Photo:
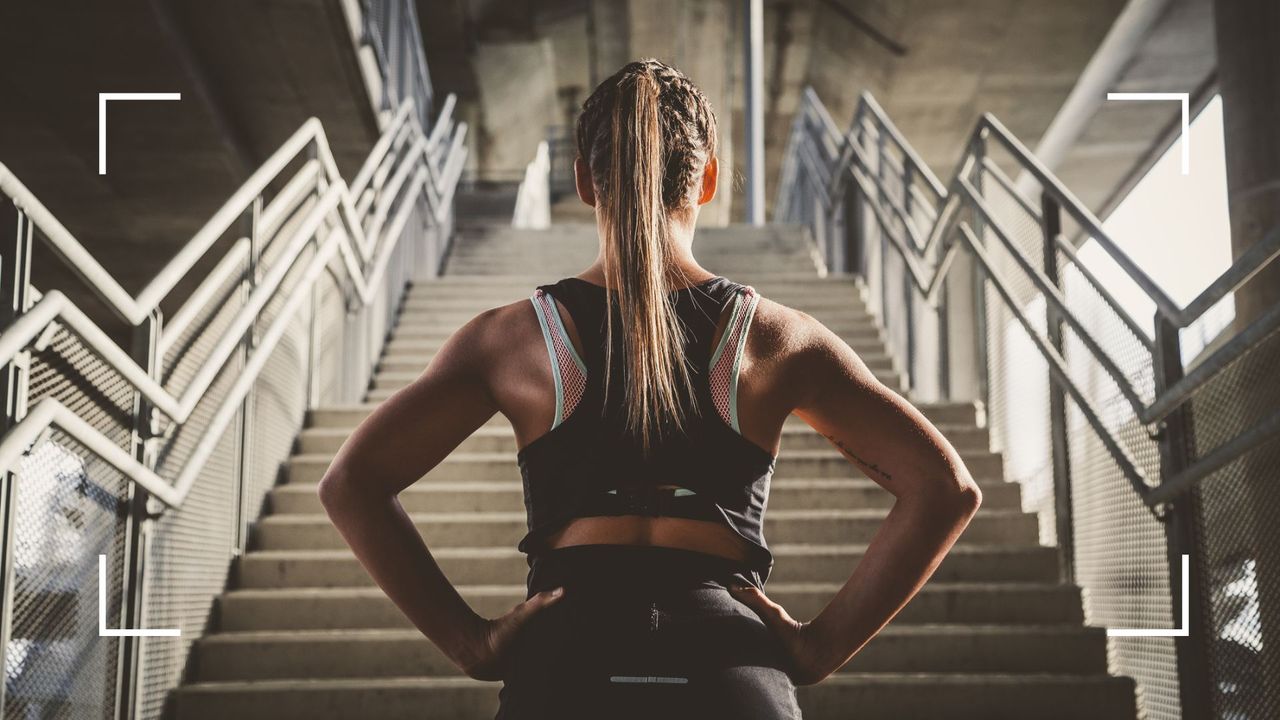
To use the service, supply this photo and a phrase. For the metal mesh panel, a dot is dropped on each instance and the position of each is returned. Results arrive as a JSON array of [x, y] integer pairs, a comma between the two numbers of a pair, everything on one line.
[[187, 566], [1239, 539], [331, 342], [1119, 547], [67, 510], [191, 547], [1017, 374]]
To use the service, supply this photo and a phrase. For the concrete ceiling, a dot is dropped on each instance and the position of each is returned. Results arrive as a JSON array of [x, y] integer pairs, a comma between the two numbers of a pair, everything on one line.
[[935, 65]]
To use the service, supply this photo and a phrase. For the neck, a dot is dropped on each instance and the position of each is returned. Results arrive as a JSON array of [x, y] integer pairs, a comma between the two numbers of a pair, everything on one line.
[[683, 270]]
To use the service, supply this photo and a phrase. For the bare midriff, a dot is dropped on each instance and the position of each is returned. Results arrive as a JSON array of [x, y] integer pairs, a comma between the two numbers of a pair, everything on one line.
[[701, 535]]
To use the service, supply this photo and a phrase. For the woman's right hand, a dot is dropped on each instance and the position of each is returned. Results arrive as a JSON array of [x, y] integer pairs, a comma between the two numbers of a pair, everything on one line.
[[489, 642]]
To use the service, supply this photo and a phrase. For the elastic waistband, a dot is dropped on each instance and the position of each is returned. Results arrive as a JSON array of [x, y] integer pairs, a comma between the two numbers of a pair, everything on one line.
[[617, 567]]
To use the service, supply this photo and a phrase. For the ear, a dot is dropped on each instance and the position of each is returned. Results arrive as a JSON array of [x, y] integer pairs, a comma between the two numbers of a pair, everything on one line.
[[710, 177], [582, 182]]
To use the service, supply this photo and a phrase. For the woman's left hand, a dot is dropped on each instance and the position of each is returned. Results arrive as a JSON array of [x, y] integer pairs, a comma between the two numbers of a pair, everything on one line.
[[809, 656]]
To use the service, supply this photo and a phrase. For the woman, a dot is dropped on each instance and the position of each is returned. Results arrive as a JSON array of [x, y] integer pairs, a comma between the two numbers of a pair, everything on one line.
[[647, 396]]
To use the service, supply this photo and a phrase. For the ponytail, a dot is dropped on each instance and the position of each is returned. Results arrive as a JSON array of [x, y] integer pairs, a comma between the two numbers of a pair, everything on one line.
[[647, 133], [636, 260]]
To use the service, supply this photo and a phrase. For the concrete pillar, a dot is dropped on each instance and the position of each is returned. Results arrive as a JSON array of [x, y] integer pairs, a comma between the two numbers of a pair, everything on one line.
[[753, 97], [1248, 65], [518, 104]]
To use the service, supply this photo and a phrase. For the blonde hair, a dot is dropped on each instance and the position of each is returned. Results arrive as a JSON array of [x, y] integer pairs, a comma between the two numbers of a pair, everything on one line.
[[647, 134]]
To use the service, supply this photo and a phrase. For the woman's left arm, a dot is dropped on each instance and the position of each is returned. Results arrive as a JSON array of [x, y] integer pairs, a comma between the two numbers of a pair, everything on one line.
[[400, 441]]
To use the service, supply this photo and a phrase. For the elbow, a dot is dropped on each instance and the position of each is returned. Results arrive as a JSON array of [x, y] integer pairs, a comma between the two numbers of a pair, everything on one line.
[[965, 495], [969, 498], [956, 495], [334, 487]]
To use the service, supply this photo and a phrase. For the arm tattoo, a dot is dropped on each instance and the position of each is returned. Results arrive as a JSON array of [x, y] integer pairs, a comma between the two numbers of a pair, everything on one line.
[[861, 461]]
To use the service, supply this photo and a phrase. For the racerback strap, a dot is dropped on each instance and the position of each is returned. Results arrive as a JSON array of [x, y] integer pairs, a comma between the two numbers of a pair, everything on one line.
[[569, 372], [727, 359], [567, 369]]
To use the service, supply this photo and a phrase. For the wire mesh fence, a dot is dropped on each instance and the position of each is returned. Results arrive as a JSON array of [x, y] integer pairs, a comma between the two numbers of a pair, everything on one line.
[[292, 315], [1074, 388], [1239, 539]]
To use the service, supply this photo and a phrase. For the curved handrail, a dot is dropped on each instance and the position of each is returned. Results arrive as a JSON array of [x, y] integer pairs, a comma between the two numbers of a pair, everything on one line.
[[365, 255]]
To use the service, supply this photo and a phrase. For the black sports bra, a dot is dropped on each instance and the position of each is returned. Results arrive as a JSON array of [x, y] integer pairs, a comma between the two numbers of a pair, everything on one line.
[[589, 465]]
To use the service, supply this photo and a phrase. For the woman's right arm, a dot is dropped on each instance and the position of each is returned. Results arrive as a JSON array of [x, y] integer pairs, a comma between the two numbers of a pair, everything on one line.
[[405, 437], [896, 446]]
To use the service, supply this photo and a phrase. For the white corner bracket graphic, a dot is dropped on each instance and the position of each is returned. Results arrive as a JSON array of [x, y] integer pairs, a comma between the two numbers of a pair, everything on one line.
[[1181, 631], [102, 118], [1184, 98], [103, 630]]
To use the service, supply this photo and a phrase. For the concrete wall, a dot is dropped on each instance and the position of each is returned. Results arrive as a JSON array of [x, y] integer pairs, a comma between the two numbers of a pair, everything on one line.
[[517, 104]]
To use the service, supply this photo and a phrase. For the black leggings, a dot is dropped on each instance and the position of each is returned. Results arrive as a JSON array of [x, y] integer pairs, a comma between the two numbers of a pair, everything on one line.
[[644, 632]]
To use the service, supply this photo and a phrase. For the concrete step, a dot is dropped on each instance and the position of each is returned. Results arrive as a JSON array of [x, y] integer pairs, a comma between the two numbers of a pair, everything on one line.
[[793, 563], [474, 529], [490, 438], [490, 467], [877, 696], [950, 414], [405, 366], [785, 494], [370, 608], [777, 285], [834, 316], [864, 337], [795, 295], [394, 378], [264, 655]]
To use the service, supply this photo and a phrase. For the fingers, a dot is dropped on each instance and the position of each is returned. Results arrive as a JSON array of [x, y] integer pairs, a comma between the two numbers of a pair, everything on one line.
[[538, 602], [773, 614]]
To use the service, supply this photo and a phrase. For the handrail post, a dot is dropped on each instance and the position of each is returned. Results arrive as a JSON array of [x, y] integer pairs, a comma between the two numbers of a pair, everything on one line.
[[15, 290], [908, 291], [244, 452], [1051, 227], [1175, 437], [979, 286], [138, 523]]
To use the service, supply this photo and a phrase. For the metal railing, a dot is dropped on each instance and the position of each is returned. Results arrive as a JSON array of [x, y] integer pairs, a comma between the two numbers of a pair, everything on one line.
[[984, 296], [390, 30], [533, 196], [159, 456]]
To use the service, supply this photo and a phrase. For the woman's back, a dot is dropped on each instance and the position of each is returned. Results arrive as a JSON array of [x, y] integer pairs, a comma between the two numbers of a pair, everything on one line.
[[648, 416]]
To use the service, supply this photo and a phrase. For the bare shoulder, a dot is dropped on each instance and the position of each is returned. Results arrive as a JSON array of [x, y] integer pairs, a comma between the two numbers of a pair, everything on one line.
[[801, 353], [484, 341]]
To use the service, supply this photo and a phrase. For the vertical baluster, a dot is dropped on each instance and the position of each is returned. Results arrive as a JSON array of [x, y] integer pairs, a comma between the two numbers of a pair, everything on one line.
[[1176, 436], [1051, 228], [252, 229], [15, 288], [140, 521]]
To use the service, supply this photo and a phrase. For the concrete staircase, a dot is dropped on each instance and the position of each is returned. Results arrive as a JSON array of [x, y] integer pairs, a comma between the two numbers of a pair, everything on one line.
[[305, 634]]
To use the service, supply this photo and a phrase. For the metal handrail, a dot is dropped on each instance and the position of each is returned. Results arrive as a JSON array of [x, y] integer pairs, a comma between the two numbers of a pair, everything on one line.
[[811, 149], [533, 196], [365, 256]]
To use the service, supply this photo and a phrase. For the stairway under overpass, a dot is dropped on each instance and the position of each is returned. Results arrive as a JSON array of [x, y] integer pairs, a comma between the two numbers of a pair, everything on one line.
[[303, 633], [249, 74]]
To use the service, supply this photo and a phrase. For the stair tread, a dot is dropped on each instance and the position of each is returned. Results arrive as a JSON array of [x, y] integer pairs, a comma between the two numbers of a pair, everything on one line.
[[779, 550], [375, 634], [491, 516], [774, 587], [787, 483], [449, 681]]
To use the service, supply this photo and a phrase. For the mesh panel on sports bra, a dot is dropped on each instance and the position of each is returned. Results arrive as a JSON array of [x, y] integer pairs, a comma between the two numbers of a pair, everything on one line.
[[570, 375]]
